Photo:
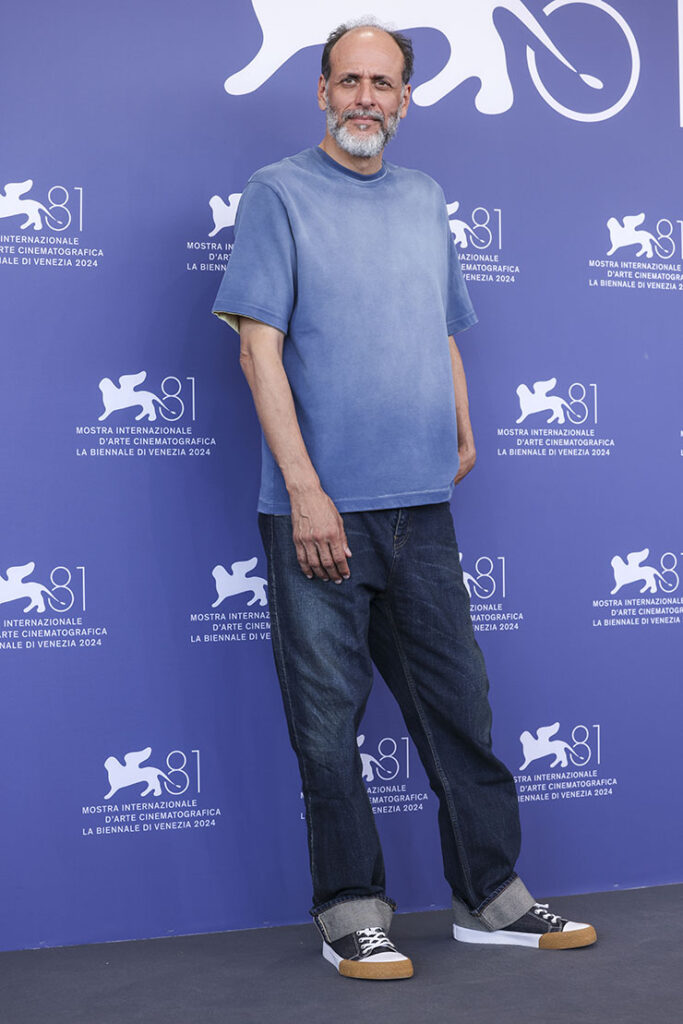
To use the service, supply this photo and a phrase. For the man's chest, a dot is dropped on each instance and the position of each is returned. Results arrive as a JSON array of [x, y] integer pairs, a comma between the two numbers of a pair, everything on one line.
[[360, 239]]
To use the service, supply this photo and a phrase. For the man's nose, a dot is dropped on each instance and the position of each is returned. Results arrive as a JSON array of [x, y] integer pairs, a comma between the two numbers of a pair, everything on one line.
[[365, 96]]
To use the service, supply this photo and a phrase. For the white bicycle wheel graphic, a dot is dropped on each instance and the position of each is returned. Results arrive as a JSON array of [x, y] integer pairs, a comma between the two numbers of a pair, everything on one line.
[[594, 83]]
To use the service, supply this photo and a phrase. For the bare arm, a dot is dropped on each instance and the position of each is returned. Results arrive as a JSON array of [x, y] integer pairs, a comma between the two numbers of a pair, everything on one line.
[[317, 527], [466, 449]]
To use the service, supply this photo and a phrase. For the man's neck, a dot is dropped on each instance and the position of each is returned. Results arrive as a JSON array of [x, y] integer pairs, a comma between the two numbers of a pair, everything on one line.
[[360, 164]]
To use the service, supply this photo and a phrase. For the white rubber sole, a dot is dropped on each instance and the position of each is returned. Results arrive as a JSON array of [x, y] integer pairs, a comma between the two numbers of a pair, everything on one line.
[[571, 938], [331, 956], [495, 938]]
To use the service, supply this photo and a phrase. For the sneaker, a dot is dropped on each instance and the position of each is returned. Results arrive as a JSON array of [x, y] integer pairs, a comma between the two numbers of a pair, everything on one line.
[[538, 928], [368, 953]]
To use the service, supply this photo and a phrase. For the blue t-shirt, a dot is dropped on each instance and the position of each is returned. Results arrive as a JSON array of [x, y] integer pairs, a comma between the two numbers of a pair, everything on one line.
[[361, 274]]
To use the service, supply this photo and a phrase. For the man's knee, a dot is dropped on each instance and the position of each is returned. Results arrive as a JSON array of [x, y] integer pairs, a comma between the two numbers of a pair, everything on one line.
[[331, 765]]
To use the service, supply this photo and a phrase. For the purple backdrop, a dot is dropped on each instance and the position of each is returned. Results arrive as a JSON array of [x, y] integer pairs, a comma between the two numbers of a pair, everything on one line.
[[149, 787]]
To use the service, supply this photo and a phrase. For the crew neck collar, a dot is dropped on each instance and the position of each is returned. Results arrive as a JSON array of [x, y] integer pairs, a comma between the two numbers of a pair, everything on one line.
[[335, 165]]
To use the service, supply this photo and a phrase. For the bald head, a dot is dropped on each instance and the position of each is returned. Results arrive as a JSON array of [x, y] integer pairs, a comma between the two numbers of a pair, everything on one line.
[[369, 33]]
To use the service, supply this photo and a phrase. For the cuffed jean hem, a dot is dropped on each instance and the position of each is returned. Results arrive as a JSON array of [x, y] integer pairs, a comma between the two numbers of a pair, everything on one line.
[[511, 902], [350, 914]]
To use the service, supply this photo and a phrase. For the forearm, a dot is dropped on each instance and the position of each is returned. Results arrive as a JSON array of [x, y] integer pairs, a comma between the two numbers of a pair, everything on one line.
[[462, 405], [318, 532], [261, 362], [466, 449]]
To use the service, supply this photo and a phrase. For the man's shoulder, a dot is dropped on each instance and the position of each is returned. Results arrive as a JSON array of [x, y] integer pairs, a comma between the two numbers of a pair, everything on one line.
[[276, 174], [415, 179]]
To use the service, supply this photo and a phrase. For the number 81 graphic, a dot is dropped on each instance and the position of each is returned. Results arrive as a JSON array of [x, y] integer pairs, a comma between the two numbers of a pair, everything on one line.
[[59, 212], [581, 751], [64, 591]]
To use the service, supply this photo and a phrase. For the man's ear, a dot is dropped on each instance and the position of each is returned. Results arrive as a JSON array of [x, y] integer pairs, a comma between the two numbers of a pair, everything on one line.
[[321, 93], [406, 100]]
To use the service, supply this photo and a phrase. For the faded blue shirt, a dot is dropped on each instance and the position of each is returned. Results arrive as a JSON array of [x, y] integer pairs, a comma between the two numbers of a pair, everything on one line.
[[361, 274]]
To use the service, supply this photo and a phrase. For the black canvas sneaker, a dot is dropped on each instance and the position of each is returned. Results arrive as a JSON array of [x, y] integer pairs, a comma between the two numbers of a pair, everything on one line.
[[537, 928], [368, 953]]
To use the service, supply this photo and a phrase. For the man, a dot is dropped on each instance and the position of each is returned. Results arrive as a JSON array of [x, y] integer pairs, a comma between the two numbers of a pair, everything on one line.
[[345, 287]]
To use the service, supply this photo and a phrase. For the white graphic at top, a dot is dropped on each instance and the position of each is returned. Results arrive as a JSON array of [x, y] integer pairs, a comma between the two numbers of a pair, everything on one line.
[[538, 399], [631, 233], [228, 584], [126, 397], [132, 772], [16, 588], [13, 204], [224, 213], [476, 47], [543, 745], [633, 571]]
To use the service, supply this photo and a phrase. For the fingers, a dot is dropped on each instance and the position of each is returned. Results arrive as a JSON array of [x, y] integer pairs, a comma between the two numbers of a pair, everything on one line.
[[327, 560], [324, 557], [312, 559], [314, 562], [340, 565], [333, 561], [319, 537], [302, 559]]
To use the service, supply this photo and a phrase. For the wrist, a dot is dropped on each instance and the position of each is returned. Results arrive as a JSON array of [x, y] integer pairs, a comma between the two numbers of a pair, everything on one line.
[[302, 484]]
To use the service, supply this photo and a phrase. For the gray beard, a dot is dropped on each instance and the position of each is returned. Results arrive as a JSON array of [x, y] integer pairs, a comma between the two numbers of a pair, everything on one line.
[[356, 144]]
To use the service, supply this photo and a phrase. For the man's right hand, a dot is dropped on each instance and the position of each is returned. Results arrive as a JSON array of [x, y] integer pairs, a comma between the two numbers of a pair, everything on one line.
[[319, 537]]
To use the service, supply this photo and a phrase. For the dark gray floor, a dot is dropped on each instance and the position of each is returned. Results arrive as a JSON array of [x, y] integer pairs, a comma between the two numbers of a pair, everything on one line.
[[633, 975]]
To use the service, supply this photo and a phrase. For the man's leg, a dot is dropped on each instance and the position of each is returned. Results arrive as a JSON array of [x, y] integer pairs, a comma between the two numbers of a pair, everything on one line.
[[422, 641], [319, 631]]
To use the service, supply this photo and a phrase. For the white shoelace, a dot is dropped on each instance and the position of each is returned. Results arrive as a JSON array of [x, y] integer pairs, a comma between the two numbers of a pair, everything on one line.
[[541, 910], [371, 938]]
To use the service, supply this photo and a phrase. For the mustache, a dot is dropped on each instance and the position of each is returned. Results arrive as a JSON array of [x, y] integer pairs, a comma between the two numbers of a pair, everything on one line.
[[374, 115]]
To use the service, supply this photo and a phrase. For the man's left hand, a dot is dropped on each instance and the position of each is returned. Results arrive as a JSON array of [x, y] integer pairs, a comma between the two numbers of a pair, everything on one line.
[[468, 457]]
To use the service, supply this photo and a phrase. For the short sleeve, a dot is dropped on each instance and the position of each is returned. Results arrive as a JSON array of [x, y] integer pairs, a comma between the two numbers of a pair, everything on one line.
[[260, 278], [460, 311]]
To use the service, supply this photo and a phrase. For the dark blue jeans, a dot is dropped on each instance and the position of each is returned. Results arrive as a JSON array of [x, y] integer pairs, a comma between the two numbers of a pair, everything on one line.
[[406, 609]]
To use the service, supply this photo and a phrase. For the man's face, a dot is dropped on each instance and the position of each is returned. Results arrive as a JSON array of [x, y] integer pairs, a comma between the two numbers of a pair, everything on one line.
[[364, 97]]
